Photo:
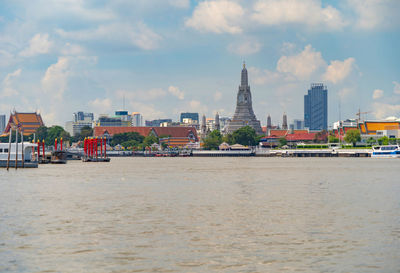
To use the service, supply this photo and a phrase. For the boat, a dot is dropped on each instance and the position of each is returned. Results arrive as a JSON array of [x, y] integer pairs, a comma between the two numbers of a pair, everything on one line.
[[29, 161], [386, 151]]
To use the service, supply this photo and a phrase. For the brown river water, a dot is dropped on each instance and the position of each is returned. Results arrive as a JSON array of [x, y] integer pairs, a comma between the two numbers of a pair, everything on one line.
[[202, 215]]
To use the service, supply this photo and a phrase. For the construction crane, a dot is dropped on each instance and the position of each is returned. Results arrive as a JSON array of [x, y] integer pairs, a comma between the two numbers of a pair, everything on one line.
[[359, 113]]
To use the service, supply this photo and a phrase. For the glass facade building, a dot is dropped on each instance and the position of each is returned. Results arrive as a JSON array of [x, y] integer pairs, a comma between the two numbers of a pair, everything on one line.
[[316, 107], [192, 116]]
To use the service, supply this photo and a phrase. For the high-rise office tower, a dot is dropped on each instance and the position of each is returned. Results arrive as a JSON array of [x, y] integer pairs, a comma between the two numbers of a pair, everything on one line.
[[316, 107]]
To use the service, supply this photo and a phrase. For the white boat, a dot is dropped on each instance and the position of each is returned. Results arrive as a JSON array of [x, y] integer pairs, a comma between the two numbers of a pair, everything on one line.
[[29, 160], [386, 151]]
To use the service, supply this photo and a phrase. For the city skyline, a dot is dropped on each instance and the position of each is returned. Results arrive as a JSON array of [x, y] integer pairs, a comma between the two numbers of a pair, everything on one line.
[[175, 57]]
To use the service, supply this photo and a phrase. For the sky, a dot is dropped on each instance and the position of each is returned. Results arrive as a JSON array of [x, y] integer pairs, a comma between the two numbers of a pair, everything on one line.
[[164, 57]]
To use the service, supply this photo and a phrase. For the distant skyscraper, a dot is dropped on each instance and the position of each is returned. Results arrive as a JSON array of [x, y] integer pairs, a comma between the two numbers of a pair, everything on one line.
[[316, 107], [284, 122], [137, 119], [2, 123], [269, 122], [244, 114], [192, 116], [298, 124]]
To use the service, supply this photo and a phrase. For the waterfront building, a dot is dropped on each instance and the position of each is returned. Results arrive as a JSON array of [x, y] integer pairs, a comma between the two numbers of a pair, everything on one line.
[[137, 119], [28, 123], [380, 128], [244, 114], [177, 136], [284, 122], [193, 116], [157, 122], [316, 107], [2, 123]]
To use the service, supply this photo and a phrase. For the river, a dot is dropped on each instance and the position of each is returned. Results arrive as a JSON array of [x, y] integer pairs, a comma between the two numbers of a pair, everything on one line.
[[202, 215]]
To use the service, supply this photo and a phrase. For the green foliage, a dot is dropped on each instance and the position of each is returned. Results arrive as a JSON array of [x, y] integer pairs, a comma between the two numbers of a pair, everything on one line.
[[282, 141], [383, 140], [213, 140], [371, 141], [149, 140], [130, 144], [333, 139], [41, 133], [352, 136], [228, 138], [245, 136], [124, 137]]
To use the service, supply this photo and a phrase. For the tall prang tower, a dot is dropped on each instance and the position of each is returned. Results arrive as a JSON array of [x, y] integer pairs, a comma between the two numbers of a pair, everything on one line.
[[244, 115]]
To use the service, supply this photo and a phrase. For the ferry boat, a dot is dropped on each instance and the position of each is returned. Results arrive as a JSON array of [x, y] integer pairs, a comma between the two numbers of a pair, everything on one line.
[[29, 160], [386, 151]]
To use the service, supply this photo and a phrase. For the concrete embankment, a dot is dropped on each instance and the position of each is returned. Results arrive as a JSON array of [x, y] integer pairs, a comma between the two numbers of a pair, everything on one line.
[[315, 153]]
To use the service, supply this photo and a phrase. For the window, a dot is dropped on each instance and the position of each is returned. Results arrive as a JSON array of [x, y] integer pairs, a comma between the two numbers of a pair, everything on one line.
[[1, 150], [6, 150]]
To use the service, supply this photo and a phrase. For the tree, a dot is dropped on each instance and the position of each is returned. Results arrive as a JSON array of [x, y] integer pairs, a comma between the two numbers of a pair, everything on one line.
[[383, 140], [149, 140], [121, 138], [213, 140], [333, 139], [228, 138], [352, 136], [86, 131], [282, 141], [41, 133], [371, 141], [245, 136]]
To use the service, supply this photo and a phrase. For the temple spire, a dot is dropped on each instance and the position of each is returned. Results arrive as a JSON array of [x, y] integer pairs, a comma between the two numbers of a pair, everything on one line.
[[244, 80]]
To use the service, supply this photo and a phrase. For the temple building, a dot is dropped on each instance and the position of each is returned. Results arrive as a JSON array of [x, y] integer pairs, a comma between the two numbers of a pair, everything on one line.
[[27, 123], [244, 115]]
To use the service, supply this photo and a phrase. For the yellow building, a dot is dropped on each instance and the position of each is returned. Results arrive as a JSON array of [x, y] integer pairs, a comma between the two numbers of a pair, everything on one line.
[[370, 127]]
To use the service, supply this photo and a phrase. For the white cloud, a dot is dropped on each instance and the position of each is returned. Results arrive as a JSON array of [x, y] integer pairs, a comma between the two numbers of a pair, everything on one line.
[[197, 106], [261, 77], [396, 88], [180, 3], [176, 92], [378, 93], [345, 92], [142, 95], [373, 14], [245, 48], [217, 16], [304, 12], [217, 96], [39, 44], [8, 90], [337, 71], [55, 79], [138, 35], [149, 111], [302, 65], [101, 106], [384, 110], [72, 49]]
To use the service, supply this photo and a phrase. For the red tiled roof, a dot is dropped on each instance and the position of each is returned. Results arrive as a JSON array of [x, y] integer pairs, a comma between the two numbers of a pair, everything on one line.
[[145, 131], [27, 122], [300, 137], [278, 132]]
